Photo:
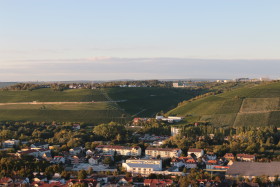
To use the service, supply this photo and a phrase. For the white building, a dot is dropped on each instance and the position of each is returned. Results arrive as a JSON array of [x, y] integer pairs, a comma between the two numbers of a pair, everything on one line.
[[175, 131], [10, 143], [142, 166], [93, 160], [120, 150], [58, 160], [163, 152], [76, 150], [197, 152]]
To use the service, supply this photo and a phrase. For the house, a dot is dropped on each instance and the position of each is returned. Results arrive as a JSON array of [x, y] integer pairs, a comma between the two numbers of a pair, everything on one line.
[[43, 151], [163, 152], [211, 164], [58, 160], [177, 162], [29, 152], [229, 156], [88, 182], [40, 145], [119, 150], [10, 143], [125, 181], [254, 169], [6, 181], [175, 131], [93, 160], [197, 152], [210, 156], [76, 127], [47, 156], [142, 166], [191, 163], [245, 157], [76, 150], [77, 160], [89, 152], [158, 182]]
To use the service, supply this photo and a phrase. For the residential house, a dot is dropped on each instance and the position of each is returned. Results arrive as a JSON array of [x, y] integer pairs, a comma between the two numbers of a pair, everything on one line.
[[163, 152], [76, 127], [178, 162], [76, 150], [30, 152], [245, 157], [175, 131], [191, 163], [6, 181], [47, 156], [40, 145], [93, 160], [142, 166], [89, 152], [211, 164], [77, 160], [58, 160], [158, 182], [125, 181], [10, 143], [197, 152], [229, 156], [211, 156], [120, 150]]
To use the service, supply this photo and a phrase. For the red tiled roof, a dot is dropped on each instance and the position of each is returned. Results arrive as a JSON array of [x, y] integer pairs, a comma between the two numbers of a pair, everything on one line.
[[115, 147], [157, 181], [245, 156], [162, 149], [194, 150], [228, 155], [5, 180]]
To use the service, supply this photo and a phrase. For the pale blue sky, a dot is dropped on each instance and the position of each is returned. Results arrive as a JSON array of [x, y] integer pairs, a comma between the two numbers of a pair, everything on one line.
[[38, 35]]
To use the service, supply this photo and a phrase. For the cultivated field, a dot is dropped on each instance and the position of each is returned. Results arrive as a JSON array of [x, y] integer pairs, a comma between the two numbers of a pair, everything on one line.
[[252, 105], [89, 106]]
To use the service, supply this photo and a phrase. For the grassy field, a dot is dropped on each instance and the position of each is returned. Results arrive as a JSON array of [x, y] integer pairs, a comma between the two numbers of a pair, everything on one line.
[[255, 105], [48, 95], [140, 101], [147, 102]]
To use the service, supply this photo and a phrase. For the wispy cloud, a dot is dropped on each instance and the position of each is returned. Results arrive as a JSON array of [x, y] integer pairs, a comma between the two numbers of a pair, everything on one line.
[[108, 68]]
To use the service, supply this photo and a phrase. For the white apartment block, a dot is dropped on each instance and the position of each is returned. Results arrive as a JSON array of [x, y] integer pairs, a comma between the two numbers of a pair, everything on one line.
[[142, 166], [120, 150], [163, 152]]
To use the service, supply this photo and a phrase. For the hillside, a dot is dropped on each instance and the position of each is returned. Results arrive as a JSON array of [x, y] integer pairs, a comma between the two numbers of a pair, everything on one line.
[[89, 106], [257, 105]]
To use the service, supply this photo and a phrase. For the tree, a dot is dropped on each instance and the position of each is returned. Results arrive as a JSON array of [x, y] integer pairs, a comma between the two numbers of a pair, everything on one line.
[[82, 174], [107, 161], [110, 130]]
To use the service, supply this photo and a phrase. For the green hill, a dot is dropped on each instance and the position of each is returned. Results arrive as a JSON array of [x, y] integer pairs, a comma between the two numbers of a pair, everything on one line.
[[89, 106], [256, 105]]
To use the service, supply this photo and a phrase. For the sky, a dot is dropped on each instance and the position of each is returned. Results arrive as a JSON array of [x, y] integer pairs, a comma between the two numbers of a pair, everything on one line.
[[149, 39]]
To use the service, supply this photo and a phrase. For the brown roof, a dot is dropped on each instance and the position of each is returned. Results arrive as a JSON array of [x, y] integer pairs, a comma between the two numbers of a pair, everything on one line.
[[245, 156], [254, 169], [115, 147], [194, 150], [162, 149]]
